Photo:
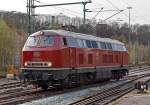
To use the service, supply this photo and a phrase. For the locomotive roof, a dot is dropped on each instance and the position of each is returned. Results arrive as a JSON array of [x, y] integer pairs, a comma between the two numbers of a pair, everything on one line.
[[75, 35]]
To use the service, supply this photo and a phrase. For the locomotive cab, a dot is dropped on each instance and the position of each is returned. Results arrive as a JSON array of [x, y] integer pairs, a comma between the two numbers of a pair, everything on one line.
[[39, 51], [38, 56], [44, 54]]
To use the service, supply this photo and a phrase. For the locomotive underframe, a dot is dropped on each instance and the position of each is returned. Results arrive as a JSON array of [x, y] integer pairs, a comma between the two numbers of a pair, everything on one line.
[[45, 77]]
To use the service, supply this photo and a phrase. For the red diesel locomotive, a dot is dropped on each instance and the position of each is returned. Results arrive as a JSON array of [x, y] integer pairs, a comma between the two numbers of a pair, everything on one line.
[[59, 57]]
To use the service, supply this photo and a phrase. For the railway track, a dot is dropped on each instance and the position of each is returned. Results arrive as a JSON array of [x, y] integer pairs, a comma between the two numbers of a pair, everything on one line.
[[10, 85], [139, 70], [17, 97], [102, 96], [17, 94], [106, 96], [26, 95]]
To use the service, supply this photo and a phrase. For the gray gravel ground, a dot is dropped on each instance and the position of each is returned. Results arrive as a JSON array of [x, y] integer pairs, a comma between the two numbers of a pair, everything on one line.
[[5, 81], [134, 99], [67, 98]]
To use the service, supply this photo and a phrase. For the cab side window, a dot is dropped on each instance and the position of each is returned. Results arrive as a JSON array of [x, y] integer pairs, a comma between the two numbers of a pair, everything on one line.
[[64, 41], [72, 42], [80, 43]]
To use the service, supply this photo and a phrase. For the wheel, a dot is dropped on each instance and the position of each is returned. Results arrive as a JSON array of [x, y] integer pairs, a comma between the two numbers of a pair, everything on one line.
[[44, 87]]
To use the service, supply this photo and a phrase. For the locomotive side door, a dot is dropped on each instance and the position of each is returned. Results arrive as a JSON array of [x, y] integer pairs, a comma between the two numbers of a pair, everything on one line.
[[72, 53], [122, 58]]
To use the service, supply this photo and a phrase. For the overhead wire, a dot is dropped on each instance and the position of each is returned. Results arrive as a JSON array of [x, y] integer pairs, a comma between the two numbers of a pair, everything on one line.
[[119, 9], [125, 3], [98, 9], [96, 3], [62, 9], [93, 29], [126, 9], [58, 8], [97, 13], [43, 3], [143, 19], [113, 15], [112, 4]]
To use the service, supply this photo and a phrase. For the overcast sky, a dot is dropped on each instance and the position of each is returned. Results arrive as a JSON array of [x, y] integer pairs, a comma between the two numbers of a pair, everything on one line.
[[140, 12]]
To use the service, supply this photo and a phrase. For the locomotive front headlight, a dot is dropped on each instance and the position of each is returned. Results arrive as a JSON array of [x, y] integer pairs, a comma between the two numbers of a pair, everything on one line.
[[49, 64], [25, 64]]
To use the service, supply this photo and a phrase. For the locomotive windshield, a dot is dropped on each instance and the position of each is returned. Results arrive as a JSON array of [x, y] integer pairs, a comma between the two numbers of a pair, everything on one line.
[[40, 41]]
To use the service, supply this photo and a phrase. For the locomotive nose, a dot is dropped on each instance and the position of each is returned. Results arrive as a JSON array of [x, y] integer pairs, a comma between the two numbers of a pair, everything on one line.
[[37, 59], [36, 54]]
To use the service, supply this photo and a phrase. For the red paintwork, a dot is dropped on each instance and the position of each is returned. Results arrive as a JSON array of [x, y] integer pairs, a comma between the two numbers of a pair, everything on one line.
[[65, 57]]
